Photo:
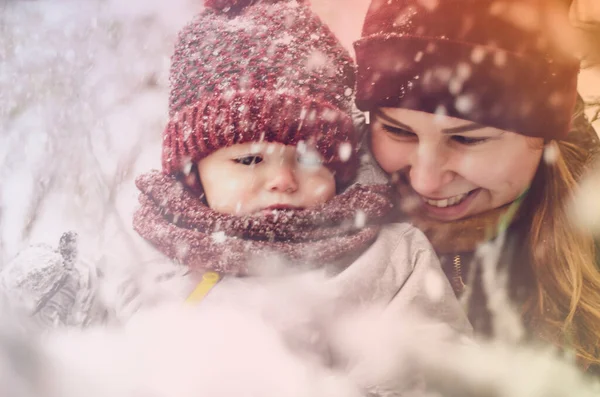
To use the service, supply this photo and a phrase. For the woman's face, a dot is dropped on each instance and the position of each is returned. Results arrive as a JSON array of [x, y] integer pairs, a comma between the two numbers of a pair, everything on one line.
[[454, 167]]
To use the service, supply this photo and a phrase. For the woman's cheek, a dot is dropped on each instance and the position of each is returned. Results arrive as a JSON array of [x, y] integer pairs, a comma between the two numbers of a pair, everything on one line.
[[391, 155], [506, 173], [478, 168]]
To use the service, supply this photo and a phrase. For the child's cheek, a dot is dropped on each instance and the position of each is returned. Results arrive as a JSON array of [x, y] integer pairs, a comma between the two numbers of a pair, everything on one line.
[[320, 188], [243, 203], [242, 198]]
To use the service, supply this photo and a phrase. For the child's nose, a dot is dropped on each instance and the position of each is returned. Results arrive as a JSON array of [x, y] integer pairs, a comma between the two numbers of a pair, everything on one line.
[[283, 179]]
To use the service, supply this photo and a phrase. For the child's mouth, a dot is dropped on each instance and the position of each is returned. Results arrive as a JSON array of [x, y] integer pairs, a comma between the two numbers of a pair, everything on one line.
[[280, 207]]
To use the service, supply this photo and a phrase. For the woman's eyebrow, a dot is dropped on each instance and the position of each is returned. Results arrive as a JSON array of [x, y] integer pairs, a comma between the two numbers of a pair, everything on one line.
[[390, 120], [463, 128], [454, 130]]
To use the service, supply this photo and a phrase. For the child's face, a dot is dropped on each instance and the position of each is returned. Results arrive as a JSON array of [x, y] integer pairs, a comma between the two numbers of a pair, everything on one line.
[[253, 178]]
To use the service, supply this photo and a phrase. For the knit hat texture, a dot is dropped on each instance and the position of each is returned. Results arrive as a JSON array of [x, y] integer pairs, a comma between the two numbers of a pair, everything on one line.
[[496, 63], [259, 70]]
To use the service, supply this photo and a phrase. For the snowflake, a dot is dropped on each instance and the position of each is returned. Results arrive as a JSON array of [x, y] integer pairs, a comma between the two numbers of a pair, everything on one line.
[[345, 151], [218, 237]]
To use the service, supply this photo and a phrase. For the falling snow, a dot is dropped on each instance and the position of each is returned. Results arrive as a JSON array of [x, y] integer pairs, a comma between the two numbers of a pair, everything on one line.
[[345, 151], [83, 102]]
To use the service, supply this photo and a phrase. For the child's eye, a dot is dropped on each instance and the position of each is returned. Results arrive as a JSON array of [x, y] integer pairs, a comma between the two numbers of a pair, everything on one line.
[[468, 141], [310, 159], [399, 132], [250, 159]]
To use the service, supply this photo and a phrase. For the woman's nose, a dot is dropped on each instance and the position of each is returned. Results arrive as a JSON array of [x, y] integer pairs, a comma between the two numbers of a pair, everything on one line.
[[282, 179], [429, 172]]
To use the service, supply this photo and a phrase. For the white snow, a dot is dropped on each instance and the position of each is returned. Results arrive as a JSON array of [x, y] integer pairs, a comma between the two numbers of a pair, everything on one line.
[[83, 101]]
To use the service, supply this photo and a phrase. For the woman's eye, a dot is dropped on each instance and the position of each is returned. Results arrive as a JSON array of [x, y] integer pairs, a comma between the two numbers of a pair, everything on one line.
[[249, 160], [463, 140], [399, 132]]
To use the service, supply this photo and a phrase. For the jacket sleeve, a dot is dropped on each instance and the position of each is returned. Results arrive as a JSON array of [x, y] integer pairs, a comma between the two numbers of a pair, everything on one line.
[[429, 317], [410, 307], [52, 287], [425, 289]]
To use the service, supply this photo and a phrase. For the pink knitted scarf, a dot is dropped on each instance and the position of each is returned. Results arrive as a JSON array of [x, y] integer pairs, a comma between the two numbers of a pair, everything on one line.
[[179, 224]]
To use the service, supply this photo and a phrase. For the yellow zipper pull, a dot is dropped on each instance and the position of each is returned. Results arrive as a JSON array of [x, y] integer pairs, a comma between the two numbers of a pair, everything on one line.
[[209, 279]]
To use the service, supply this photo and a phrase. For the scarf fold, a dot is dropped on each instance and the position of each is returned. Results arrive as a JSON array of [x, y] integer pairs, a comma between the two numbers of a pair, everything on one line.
[[180, 225]]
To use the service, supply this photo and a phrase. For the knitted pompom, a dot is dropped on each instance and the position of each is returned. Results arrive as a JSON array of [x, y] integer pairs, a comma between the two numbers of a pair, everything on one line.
[[236, 6]]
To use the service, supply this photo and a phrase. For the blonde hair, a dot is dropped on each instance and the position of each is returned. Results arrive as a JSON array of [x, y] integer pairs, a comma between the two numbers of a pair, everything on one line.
[[565, 307]]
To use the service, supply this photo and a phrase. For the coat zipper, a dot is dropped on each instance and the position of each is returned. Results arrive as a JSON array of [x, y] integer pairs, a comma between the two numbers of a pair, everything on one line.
[[457, 278]]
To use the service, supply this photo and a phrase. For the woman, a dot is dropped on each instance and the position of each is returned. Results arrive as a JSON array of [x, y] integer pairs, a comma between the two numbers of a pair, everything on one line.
[[470, 104]]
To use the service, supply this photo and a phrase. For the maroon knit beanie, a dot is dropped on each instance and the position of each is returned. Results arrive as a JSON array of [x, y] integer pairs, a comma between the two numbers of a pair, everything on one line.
[[467, 59], [259, 70]]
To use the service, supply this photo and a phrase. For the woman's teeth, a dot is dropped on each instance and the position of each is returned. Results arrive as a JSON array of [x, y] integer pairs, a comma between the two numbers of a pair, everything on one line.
[[446, 202]]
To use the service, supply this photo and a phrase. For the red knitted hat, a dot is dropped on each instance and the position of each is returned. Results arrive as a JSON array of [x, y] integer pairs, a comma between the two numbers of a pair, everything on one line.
[[467, 59], [259, 70]]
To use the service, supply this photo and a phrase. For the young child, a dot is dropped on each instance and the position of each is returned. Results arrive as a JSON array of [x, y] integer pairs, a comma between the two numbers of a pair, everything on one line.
[[258, 154]]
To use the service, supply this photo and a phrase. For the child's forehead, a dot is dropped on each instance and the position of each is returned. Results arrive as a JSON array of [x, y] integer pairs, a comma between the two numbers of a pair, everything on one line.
[[264, 147]]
